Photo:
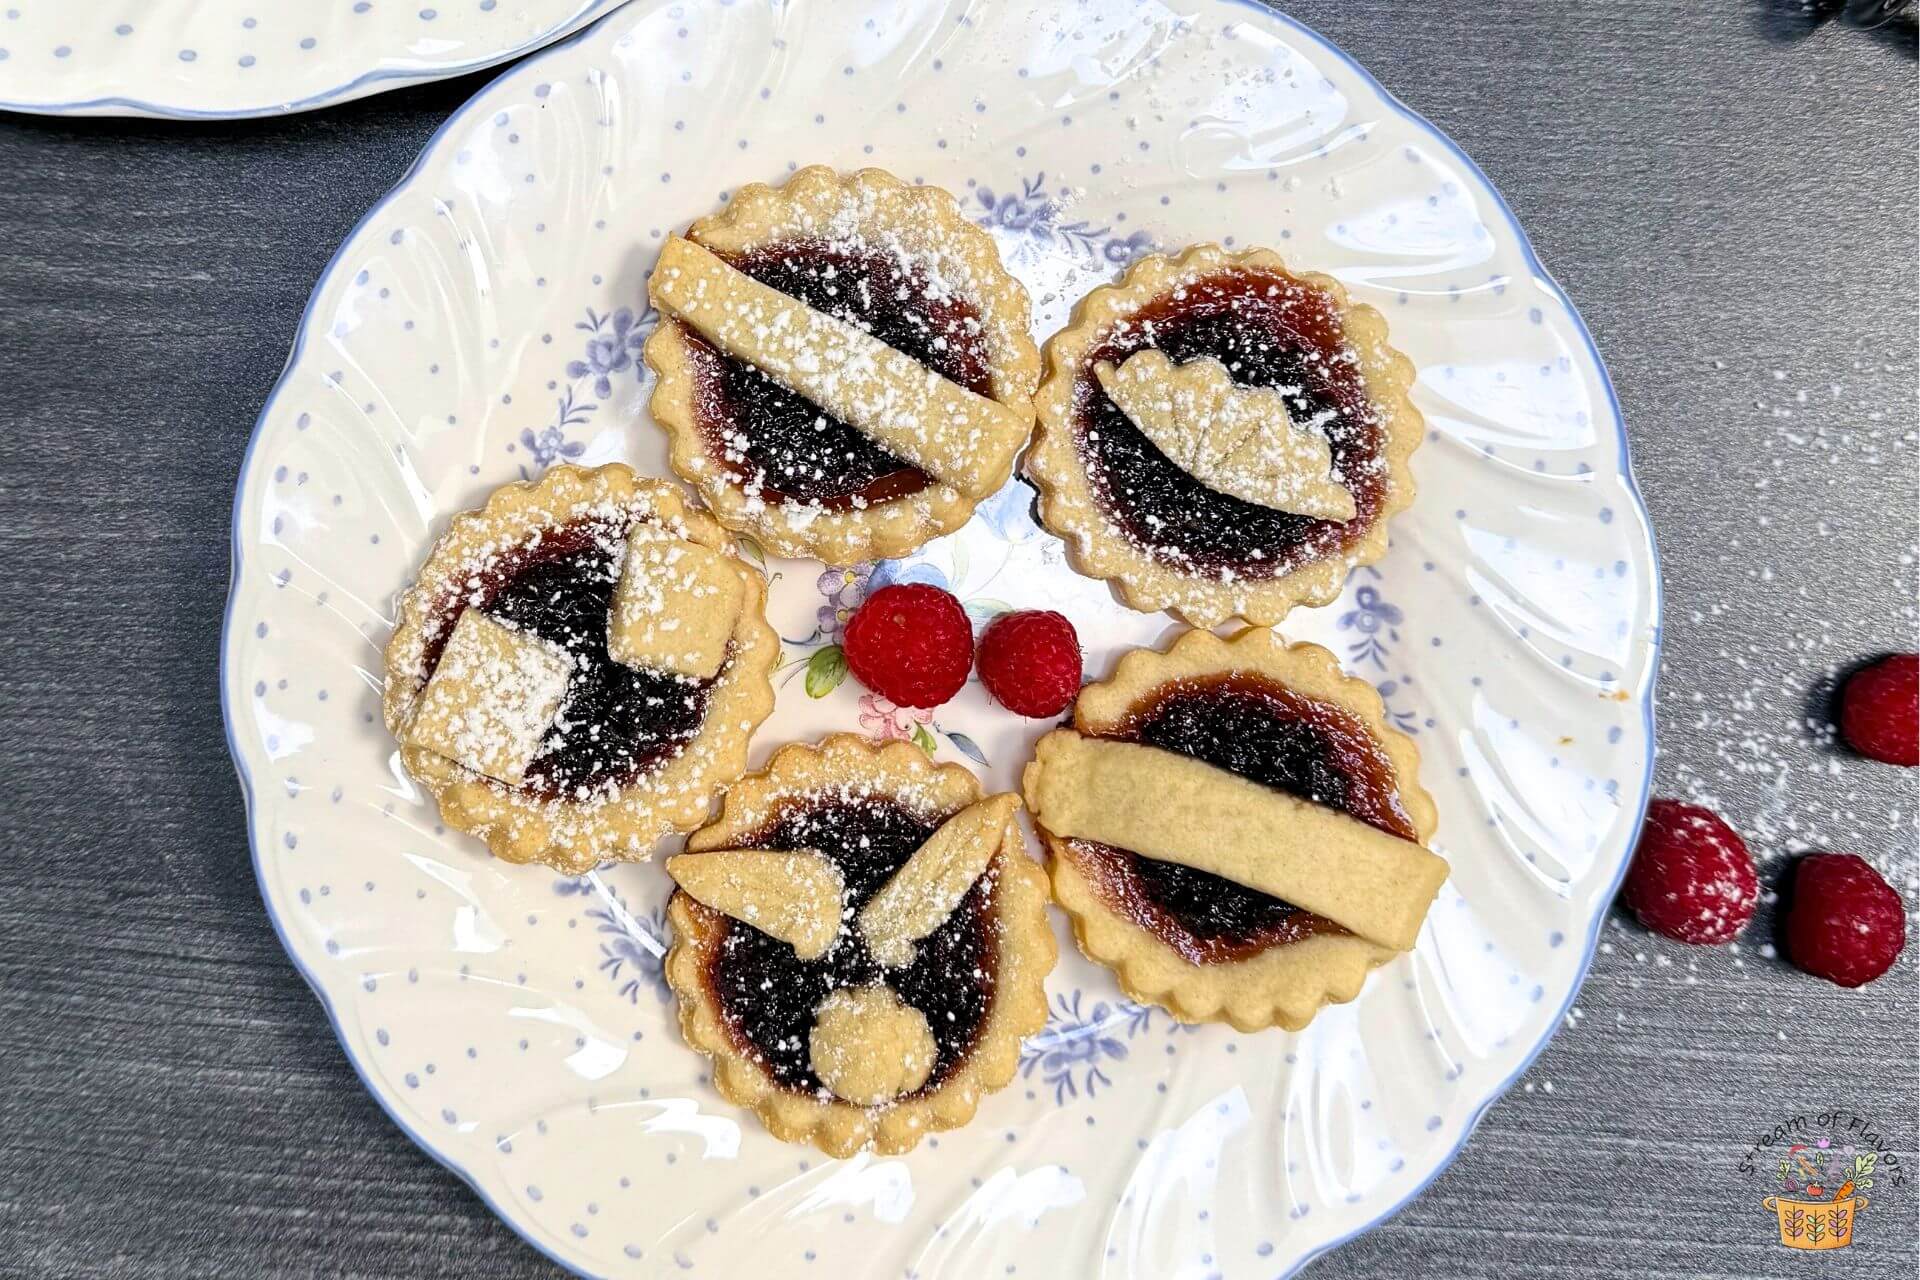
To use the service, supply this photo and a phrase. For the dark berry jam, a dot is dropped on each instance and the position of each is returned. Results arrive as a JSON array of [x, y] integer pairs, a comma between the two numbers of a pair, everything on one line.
[[1267, 733], [1204, 918], [793, 449], [618, 722], [1269, 330], [767, 994]]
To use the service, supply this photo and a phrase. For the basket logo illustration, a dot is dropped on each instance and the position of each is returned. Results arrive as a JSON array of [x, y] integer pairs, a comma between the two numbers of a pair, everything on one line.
[[1820, 1167], [1823, 1187]]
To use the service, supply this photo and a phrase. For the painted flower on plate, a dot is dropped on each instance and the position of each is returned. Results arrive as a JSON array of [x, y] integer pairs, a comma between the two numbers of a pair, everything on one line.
[[842, 591], [884, 722], [613, 342], [1069, 1052], [1375, 620]]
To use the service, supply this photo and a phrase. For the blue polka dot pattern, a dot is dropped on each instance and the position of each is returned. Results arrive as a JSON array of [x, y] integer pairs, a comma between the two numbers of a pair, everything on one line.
[[486, 322], [237, 58]]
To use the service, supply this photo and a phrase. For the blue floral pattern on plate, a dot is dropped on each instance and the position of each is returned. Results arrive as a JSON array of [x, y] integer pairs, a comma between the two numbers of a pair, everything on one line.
[[1072, 1054], [1031, 223], [509, 1027]]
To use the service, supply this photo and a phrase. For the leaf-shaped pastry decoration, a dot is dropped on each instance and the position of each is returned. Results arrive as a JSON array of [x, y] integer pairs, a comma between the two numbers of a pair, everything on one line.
[[795, 897], [1240, 441], [920, 896]]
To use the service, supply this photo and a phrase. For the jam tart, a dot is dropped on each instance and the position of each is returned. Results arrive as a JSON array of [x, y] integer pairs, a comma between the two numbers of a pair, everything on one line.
[[860, 944], [844, 365], [1234, 830], [1221, 436], [579, 667]]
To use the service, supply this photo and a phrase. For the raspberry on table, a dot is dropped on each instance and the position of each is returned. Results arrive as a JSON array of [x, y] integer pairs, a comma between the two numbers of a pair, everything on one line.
[[1845, 923], [1030, 662], [911, 643], [1691, 879], [1880, 710]]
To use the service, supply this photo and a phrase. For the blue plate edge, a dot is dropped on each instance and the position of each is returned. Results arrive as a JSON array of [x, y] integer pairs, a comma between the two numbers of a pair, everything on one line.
[[1540, 274]]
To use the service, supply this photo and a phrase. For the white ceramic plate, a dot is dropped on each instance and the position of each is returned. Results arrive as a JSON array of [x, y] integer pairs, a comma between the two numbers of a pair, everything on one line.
[[227, 59], [484, 321]]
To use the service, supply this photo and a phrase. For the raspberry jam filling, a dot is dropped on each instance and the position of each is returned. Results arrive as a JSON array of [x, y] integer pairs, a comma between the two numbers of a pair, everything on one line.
[[1269, 330], [618, 722], [767, 994], [1267, 733], [783, 445]]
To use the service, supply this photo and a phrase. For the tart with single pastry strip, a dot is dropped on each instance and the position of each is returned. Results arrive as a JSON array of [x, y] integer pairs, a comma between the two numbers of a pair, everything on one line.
[[844, 364], [1234, 829]]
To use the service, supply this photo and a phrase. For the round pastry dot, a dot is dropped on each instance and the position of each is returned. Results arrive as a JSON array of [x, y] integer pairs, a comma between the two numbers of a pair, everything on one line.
[[869, 1046]]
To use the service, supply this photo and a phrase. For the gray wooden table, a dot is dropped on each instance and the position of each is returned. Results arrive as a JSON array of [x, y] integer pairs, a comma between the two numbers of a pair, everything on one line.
[[1732, 208]]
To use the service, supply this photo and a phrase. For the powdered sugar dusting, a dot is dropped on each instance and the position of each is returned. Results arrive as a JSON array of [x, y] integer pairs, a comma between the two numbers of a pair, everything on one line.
[[493, 698], [630, 749], [908, 409], [1240, 441], [1773, 766]]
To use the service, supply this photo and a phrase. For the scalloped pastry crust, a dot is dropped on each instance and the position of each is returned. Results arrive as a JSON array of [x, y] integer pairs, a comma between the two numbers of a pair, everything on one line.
[[571, 835], [1024, 951], [1283, 986], [1100, 549], [925, 223]]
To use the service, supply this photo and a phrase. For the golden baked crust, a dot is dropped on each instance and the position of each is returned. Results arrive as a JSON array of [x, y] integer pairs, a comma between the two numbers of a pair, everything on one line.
[[573, 835], [1024, 951], [922, 222], [1282, 986], [1099, 549]]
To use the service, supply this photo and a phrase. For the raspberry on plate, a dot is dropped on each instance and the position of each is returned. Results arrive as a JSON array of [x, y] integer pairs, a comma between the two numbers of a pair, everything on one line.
[[1880, 710], [911, 643], [1030, 662], [1691, 878], [1845, 924]]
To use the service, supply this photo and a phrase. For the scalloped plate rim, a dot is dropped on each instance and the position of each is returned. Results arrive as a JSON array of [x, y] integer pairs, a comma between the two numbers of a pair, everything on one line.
[[364, 85], [1541, 274]]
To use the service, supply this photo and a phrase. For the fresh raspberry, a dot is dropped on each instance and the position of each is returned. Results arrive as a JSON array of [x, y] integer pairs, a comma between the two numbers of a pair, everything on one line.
[[910, 643], [1845, 923], [1030, 662], [1880, 710], [1692, 878]]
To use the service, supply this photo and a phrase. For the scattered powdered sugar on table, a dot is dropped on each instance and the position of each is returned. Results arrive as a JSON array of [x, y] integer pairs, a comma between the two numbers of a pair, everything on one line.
[[1775, 768]]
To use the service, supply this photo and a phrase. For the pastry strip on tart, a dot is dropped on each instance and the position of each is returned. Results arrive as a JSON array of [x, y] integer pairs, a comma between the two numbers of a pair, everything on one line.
[[898, 371], [1198, 786]]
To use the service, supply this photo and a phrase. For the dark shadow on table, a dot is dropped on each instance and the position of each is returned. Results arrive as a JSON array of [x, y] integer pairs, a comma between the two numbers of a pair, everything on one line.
[[1889, 23], [1822, 703], [443, 96]]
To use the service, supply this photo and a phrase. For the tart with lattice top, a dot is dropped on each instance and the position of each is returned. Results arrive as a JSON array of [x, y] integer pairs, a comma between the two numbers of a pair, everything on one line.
[[860, 944], [844, 364], [1234, 829], [579, 667], [1220, 435]]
